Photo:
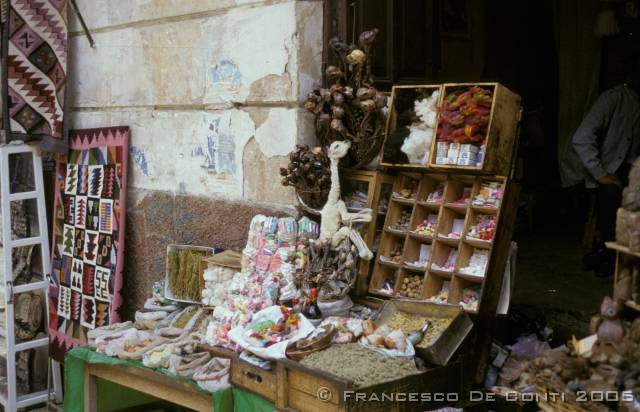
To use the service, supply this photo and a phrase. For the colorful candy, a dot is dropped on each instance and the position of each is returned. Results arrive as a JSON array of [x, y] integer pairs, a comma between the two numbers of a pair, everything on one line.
[[428, 226], [484, 228]]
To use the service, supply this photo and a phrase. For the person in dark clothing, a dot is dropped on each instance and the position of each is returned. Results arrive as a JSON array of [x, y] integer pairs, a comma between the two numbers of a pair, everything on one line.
[[608, 141]]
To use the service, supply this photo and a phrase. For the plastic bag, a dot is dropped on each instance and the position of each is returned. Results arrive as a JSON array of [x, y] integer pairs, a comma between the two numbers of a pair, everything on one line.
[[528, 347], [277, 350], [339, 307], [409, 351]]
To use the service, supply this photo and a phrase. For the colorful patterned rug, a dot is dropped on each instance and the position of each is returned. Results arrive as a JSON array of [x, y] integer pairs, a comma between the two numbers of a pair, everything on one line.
[[88, 237], [35, 43]]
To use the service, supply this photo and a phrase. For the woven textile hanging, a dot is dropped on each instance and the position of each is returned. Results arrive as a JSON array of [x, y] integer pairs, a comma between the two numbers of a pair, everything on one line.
[[34, 72]]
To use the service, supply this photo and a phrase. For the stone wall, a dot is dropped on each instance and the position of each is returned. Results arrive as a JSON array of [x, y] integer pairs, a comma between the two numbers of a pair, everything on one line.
[[211, 90]]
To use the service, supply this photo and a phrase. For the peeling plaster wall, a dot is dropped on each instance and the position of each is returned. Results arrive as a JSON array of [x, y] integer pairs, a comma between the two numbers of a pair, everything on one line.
[[211, 90], [196, 80]]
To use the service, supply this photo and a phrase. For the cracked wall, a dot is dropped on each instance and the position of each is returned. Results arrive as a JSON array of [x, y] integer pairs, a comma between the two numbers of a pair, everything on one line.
[[211, 90]]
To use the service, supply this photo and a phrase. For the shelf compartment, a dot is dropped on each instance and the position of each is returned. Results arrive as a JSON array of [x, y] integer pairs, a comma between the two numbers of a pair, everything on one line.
[[398, 211], [391, 245], [434, 284], [383, 276], [401, 115], [420, 216], [410, 277], [464, 258], [429, 184], [442, 254], [457, 292], [406, 187], [414, 250], [449, 222], [474, 218], [491, 192]]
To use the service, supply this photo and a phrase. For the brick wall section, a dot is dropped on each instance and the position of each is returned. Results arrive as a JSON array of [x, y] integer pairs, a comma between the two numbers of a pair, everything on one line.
[[156, 219]]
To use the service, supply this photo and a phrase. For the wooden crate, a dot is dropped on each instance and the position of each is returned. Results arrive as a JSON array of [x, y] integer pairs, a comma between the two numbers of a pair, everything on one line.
[[309, 390], [259, 381], [501, 135], [375, 183], [400, 94], [433, 279]]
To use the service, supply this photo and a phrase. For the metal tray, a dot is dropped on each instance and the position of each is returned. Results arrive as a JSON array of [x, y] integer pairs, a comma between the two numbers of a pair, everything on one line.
[[441, 350]]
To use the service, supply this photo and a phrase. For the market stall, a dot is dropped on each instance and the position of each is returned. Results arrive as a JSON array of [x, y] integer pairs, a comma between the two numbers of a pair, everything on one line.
[[426, 239]]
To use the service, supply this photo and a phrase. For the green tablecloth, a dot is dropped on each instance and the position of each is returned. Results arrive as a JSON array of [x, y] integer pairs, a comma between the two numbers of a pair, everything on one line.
[[223, 401]]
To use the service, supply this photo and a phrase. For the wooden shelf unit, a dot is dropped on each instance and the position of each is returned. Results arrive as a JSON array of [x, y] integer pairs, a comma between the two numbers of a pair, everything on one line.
[[377, 185], [501, 135], [441, 247]]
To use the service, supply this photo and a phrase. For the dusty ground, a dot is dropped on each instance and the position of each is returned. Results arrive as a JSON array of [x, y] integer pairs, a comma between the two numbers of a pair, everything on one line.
[[551, 285]]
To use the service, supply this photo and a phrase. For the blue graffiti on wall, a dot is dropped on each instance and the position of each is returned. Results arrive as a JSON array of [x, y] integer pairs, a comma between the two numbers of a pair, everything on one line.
[[140, 158], [226, 73], [220, 151]]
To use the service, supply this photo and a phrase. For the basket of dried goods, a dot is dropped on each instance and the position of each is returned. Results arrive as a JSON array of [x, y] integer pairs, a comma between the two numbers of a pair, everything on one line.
[[319, 340]]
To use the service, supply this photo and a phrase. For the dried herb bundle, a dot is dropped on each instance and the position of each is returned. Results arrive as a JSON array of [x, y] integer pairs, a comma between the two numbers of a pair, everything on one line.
[[184, 276], [308, 172], [351, 108]]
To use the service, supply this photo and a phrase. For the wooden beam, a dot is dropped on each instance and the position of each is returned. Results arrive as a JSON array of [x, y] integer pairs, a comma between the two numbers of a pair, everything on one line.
[[486, 320], [149, 382]]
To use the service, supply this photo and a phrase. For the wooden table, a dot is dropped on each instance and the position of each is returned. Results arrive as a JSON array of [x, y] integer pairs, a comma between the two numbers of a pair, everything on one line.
[[146, 381]]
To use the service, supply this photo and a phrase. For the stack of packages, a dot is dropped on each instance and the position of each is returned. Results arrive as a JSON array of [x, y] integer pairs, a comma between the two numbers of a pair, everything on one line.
[[270, 261], [628, 222]]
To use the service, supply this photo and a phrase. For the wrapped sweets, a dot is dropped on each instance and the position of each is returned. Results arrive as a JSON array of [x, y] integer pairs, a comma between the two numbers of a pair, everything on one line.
[[470, 298], [449, 264], [428, 226], [489, 195], [477, 263], [484, 228], [442, 296]]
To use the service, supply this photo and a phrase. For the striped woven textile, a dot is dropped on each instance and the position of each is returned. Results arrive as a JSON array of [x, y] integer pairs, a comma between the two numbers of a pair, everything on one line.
[[34, 71]]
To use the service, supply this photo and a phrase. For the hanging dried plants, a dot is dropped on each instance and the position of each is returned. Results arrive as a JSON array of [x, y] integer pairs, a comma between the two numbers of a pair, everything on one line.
[[351, 108], [308, 172]]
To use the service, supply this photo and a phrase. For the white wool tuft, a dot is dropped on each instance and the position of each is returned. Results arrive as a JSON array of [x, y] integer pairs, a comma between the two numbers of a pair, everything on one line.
[[418, 144]]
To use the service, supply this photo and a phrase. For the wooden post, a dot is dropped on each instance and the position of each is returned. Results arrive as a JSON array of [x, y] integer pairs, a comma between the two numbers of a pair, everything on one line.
[[90, 391], [486, 320]]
